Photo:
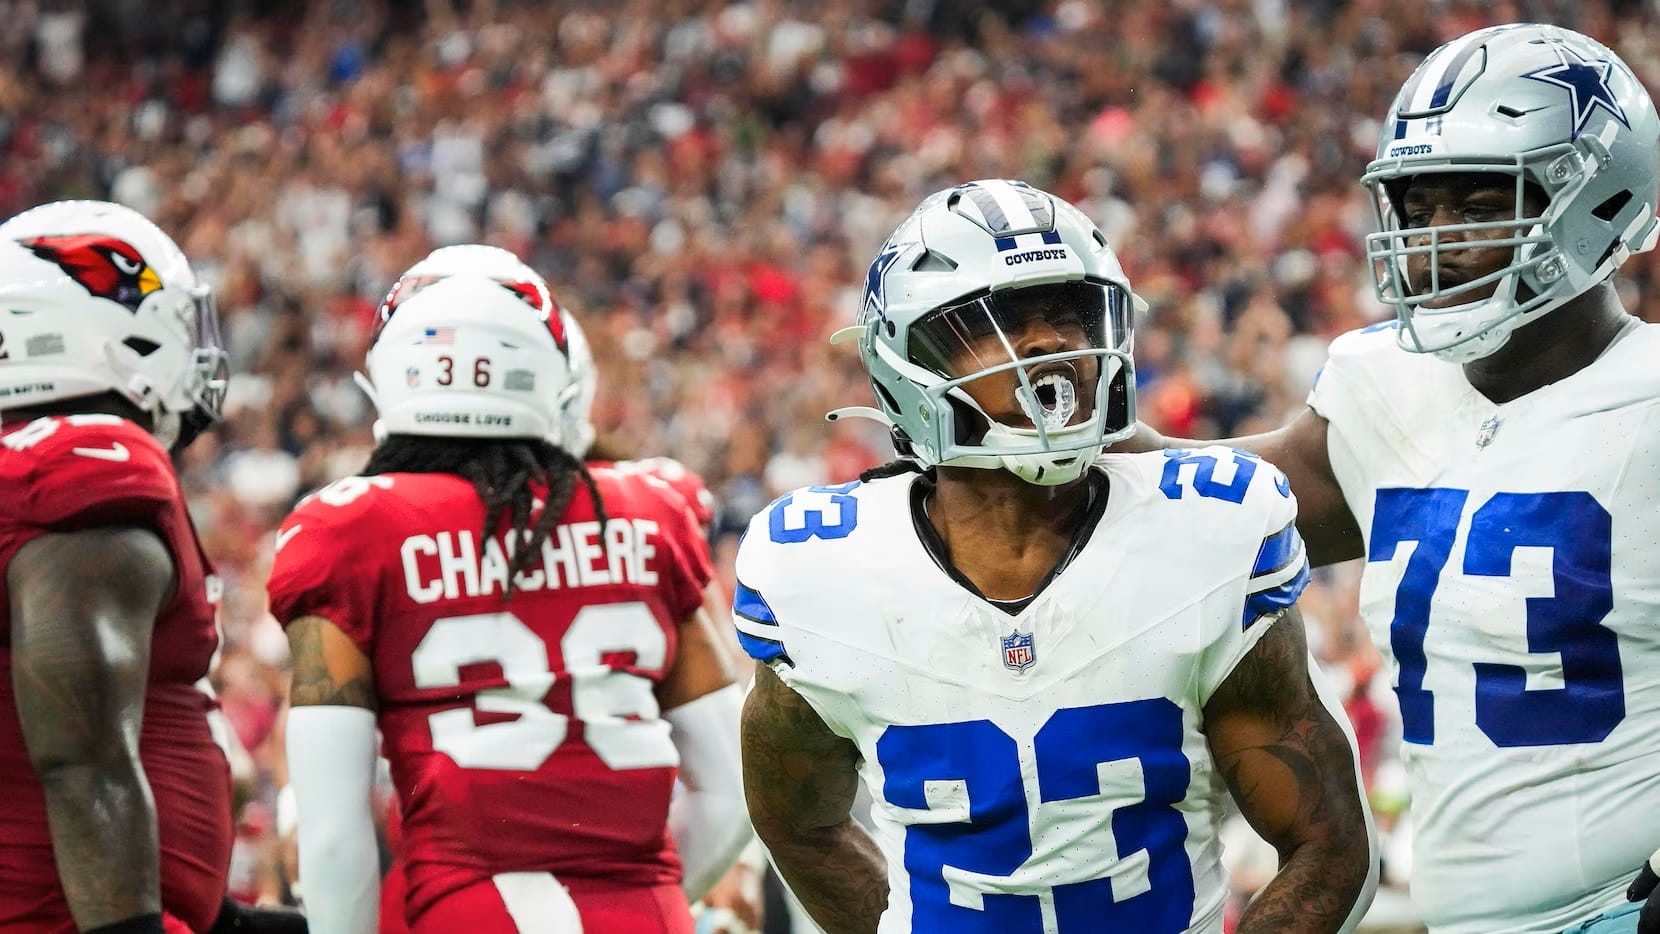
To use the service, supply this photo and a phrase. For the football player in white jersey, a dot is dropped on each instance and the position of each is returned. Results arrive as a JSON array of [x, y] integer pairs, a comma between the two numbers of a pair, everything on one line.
[[1048, 666], [1493, 455]]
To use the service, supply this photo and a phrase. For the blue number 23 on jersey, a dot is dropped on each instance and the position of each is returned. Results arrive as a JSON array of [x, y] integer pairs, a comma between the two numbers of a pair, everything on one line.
[[974, 845]]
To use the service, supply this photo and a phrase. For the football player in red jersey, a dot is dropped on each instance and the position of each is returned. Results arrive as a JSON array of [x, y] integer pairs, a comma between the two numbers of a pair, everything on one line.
[[705, 839], [527, 635], [117, 813]]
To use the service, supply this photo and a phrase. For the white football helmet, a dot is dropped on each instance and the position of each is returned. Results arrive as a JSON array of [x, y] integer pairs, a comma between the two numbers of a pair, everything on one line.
[[465, 357], [575, 434], [97, 299], [579, 430], [958, 281], [1542, 106]]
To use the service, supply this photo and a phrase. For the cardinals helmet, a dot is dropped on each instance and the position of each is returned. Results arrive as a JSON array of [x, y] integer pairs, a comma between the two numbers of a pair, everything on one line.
[[466, 357], [576, 435], [95, 298]]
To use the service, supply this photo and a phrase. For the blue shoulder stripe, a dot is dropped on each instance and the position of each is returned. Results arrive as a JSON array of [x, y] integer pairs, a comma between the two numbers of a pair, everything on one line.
[[748, 603], [762, 650], [1274, 599], [1277, 551]]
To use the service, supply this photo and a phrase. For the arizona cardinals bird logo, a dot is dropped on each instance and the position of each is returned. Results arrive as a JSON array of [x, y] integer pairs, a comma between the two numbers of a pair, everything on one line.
[[531, 294], [104, 266], [540, 299]]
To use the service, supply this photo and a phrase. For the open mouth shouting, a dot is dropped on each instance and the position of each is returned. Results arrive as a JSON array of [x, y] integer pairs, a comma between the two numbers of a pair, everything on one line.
[[1053, 398]]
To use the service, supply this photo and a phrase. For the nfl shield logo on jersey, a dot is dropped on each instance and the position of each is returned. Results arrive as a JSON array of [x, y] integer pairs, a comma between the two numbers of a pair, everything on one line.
[[1018, 654]]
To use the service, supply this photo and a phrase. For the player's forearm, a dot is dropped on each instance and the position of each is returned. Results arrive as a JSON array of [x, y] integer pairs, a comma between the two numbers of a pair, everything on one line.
[[838, 874], [1315, 891], [331, 759], [103, 826], [709, 821]]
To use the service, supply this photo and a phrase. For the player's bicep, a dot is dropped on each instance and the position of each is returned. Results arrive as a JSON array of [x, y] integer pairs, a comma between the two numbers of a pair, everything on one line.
[[329, 668], [798, 775], [83, 608], [702, 664], [1299, 450], [1284, 757]]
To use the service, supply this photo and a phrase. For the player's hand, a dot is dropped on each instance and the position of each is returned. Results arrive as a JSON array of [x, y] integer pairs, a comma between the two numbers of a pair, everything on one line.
[[739, 893], [1646, 889]]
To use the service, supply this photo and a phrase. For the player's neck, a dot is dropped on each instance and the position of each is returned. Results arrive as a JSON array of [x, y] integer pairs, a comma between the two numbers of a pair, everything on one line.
[[1001, 532], [1551, 349]]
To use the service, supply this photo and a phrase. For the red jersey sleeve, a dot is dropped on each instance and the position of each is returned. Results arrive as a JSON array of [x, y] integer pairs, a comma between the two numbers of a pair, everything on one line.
[[322, 566], [687, 483], [82, 471], [685, 568]]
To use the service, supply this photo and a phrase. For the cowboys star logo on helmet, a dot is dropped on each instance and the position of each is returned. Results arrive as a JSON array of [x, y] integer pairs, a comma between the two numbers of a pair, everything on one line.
[[875, 302], [1586, 82]]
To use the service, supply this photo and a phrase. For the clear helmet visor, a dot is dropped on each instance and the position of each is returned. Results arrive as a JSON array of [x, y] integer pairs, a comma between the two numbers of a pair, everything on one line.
[[1038, 359]]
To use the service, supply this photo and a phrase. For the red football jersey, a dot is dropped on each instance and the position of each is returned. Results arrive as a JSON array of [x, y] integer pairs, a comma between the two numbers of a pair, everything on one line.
[[85, 471], [679, 477], [523, 734]]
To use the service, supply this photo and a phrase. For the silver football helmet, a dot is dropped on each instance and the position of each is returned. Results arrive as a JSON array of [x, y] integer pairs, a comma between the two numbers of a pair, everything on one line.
[[950, 309], [1549, 109]]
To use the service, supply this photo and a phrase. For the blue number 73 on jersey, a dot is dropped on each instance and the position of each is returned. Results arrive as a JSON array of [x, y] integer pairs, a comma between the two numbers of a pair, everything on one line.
[[971, 859], [1579, 531]]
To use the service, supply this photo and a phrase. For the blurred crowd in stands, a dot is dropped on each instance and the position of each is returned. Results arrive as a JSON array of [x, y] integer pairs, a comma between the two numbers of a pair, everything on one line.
[[704, 183]]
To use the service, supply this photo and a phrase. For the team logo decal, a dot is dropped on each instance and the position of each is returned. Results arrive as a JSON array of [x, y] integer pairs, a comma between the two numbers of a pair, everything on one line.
[[1586, 81], [876, 292], [104, 266]]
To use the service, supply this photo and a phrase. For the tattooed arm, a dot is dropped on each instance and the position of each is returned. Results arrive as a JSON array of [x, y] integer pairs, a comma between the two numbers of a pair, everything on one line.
[[799, 779], [83, 606], [1292, 771], [331, 764]]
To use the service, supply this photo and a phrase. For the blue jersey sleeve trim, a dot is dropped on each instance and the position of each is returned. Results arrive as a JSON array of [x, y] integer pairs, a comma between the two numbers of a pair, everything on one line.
[[764, 650], [1275, 599], [749, 604], [1277, 551]]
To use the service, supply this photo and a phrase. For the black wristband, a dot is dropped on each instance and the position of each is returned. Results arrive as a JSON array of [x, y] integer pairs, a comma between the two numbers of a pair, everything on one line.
[[237, 918], [1643, 884], [142, 924]]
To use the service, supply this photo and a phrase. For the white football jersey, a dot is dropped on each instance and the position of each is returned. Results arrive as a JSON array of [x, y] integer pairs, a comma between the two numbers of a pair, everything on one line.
[[1042, 771], [1513, 576]]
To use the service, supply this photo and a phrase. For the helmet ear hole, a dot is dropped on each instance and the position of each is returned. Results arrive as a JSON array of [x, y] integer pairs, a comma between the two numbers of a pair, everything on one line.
[[141, 346], [1118, 401], [1610, 208], [969, 426], [890, 406]]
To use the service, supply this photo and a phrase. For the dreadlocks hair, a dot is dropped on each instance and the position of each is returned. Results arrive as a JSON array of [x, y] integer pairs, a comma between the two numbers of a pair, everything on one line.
[[501, 472]]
